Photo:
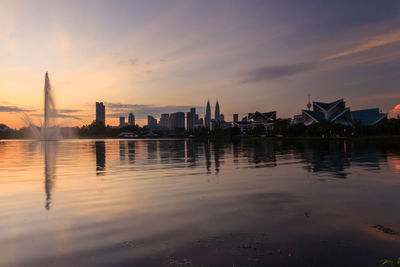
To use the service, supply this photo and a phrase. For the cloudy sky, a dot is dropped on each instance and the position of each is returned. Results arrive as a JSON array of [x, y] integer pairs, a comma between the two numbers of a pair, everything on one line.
[[150, 57]]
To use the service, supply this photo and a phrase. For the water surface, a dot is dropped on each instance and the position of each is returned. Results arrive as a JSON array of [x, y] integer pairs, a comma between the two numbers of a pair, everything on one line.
[[183, 203]]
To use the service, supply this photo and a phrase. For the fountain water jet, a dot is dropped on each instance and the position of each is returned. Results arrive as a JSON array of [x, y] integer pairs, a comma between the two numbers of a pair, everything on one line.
[[50, 131]]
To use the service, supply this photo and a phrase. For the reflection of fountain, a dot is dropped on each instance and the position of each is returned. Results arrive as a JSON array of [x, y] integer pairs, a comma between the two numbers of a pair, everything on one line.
[[50, 151]]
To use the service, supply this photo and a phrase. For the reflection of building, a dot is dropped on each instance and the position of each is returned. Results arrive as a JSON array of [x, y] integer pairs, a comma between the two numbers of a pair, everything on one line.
[[100, 112], [337, 112], [100, 155], [131, 119]]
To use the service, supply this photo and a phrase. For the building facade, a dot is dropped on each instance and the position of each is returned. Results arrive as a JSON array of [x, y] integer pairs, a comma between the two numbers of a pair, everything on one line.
[[121, 121], [191, 119], [131, 119], [235, 117], [207, 117], [100, 112], [164, 120], [151, 121], [177, 121], [337, 112]]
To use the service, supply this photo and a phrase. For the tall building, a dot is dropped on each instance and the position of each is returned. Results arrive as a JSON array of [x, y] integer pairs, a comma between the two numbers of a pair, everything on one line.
[[100, 112], [177, 120], [235, 117], [151, 121], [217, 113], [190, 119], [207, 118], [164, 120], [131, 119], [121, 121]]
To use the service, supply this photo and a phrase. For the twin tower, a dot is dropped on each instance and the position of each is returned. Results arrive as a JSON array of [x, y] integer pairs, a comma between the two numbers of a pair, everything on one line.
[[218, 117]]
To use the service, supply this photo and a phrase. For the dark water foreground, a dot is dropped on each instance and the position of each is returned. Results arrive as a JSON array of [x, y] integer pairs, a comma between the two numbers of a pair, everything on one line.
[[182, 203]]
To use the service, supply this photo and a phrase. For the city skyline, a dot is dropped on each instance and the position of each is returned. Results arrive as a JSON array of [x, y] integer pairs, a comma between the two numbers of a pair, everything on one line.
[[154, 57]]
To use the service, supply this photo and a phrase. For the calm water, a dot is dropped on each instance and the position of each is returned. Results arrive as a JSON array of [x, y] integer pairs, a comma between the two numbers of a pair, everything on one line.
[[182, 203]]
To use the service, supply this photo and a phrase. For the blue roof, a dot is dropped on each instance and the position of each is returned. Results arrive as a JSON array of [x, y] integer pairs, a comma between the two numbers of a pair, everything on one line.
[[367, 117], [334, 115], [328, 106], [316, 115]]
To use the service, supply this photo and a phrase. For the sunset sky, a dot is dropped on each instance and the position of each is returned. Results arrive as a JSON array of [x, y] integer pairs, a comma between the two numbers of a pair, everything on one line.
[[153, 57]]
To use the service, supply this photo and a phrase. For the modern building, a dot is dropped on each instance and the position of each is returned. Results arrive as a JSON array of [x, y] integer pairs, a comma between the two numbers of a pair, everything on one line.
[[235, 117], [177, 121], [367, 117], [100, 112], [151, 120], [190, 119], [164, 120], [217, 112], [267, 120], [207, 117], [131, 119], [121, 121], [337, 112]]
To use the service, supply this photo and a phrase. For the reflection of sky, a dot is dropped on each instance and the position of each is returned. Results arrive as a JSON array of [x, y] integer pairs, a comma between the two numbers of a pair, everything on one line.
[[154, 55], [159, 197]]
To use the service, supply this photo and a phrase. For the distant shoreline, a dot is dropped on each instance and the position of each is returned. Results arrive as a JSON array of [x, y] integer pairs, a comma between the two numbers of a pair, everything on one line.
[[228, 138]]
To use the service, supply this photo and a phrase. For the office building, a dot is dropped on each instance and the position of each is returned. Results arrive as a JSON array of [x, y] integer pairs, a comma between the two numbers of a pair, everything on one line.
[[131, 119], [164, 120], [100, 112], [151, 121], [217, 112], [177, 121], [190, 119], [207, 118], [235, 117], [121, 121]]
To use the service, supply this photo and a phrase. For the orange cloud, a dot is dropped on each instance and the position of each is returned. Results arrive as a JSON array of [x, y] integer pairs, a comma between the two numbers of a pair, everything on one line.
[[395, 112], [376, 41]]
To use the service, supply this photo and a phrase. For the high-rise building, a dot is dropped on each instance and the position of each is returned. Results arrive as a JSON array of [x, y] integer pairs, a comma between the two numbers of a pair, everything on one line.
[[131, 119], [151, 121], [190, 119], [121, 121], [100, 112], [235, 117], [177, 120], [217, 113], [207, 117], [164, 120]]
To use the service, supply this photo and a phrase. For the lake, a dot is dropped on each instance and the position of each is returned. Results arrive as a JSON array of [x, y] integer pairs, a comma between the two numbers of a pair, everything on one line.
[[185, 203]]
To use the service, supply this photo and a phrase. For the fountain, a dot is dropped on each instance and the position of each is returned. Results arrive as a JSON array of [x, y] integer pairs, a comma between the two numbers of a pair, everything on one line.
[[49, 131]]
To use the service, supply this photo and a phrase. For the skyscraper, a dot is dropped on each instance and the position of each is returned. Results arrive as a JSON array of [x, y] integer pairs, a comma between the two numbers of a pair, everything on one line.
[[177, 120], [131, 119], [100, 112], [164, 120], [121, 121], [207, 118], [235, 117], [217, 114], [190, 119], [151, 120]]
